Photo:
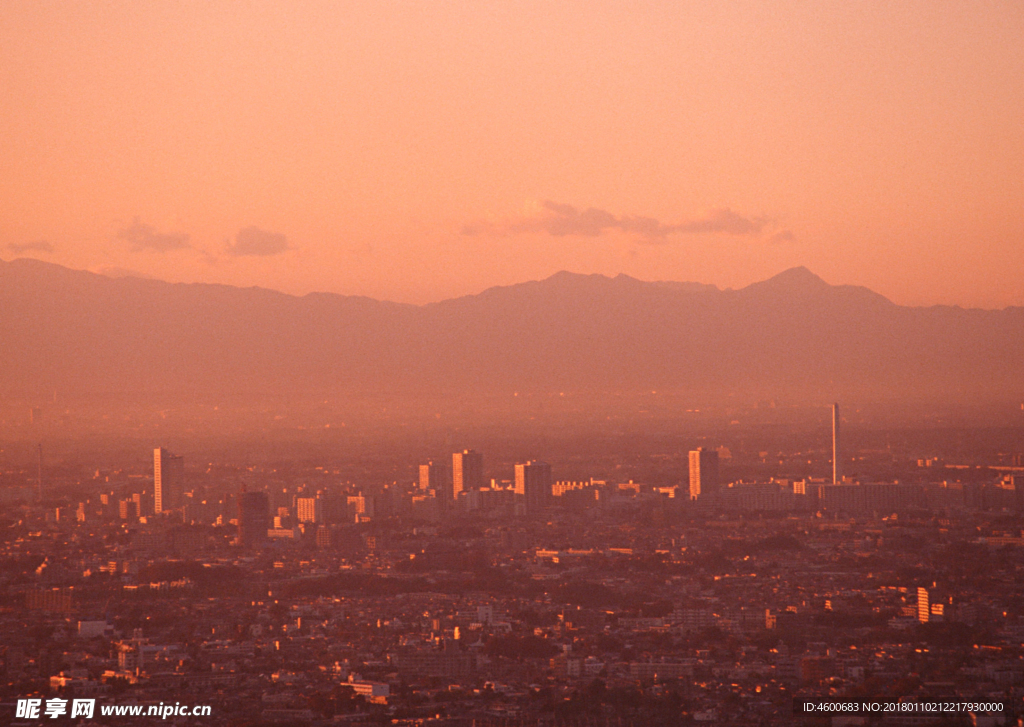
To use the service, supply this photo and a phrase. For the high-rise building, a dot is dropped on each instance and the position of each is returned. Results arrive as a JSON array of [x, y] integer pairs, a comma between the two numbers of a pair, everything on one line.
[[437, 476], [253, 517], [309, 509], [923, 611], [467, 471], [168, 474], [1017, 483], [128, 510], [533, 482], [360, 507], [324, 538], [143, 503], [703, 472], [837, 474]]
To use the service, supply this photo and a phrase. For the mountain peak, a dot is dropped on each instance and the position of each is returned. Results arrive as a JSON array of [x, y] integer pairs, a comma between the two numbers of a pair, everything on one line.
[[794, 280], [796, 276]]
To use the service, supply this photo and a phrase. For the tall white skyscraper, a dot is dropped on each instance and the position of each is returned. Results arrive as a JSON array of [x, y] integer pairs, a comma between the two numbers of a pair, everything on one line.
[[168, 473], [837, 473], [703, 472]]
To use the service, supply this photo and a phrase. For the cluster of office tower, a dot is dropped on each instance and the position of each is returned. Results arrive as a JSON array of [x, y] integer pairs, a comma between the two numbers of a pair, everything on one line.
[[455, 482]]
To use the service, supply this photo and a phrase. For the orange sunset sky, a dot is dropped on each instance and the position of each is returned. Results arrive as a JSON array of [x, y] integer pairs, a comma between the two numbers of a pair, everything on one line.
[[415, 151]]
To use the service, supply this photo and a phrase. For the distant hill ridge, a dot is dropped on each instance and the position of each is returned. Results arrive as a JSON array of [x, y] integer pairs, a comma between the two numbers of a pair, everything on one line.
[[82, 332]]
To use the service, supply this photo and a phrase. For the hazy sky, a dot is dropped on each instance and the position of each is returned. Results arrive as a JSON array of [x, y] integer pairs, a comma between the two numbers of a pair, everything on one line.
[[420, 150]]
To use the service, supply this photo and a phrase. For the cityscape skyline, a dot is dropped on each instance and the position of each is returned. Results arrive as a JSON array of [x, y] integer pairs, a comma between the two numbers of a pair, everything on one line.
[[798, 590], [583, 364]]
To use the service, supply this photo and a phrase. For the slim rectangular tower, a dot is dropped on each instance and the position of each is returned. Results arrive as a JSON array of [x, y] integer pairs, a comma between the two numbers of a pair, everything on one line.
[[467, 471], [39, 482], [703, 472], [837, 474], [168, 473]]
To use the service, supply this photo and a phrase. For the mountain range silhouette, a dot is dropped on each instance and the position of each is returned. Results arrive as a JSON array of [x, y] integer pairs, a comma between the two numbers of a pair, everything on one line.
[[85, 333]]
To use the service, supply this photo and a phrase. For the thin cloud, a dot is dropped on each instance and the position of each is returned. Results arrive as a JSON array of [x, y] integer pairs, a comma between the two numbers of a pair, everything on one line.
[[252, 241], [561, 220], [725, 221], [145, 237], [113, 271], [782, 236], [37, 246]]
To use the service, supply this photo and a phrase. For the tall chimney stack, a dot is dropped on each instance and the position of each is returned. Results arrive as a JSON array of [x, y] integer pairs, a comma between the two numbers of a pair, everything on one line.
[[39, 482], [837, 474]]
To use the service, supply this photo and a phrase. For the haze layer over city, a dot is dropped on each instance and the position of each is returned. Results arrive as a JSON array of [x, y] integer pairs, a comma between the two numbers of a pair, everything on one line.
[[519, 366]]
